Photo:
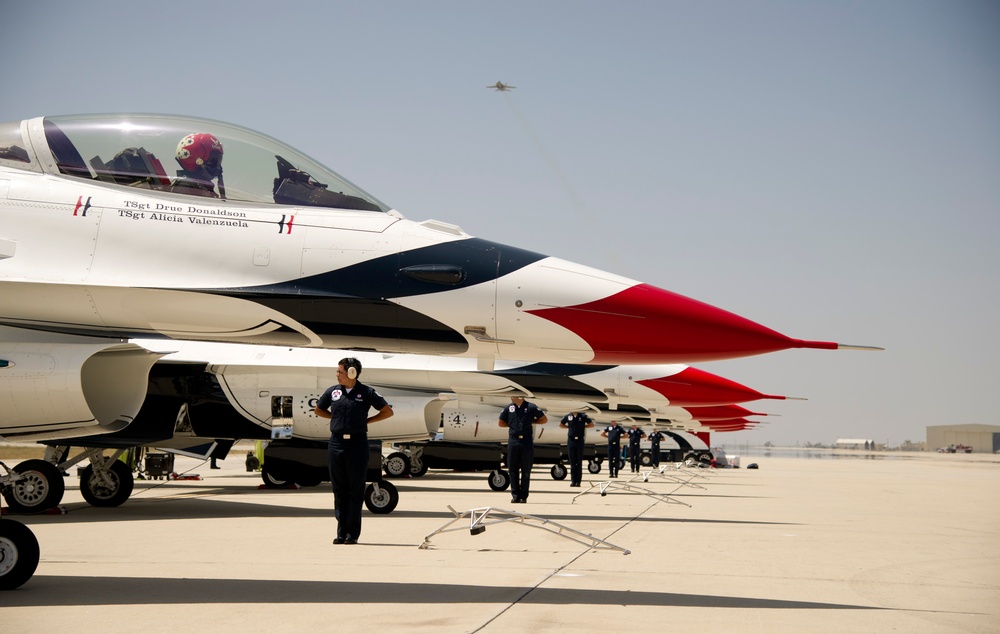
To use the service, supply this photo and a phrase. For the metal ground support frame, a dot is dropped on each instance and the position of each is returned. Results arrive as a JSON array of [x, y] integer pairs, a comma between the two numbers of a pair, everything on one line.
[[645, 475], [480, 518], [629, 488], [693, 470]]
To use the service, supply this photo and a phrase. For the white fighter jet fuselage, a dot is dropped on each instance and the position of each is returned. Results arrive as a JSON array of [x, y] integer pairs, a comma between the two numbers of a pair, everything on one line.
[[254, 242], [102, 238]]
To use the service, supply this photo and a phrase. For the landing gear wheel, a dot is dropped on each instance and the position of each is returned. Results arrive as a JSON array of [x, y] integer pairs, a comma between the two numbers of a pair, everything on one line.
[[18, 554], [558, 472], [383, 499], [594, 466], [270, 481], [305, 479], [397, 465], [499, 480], [646, 460], [41, 489], [621, 463], [110, 492], [417, 467]]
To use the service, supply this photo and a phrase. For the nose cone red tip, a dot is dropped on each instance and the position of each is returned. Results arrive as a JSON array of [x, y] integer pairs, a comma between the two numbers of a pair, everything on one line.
[[692, 387], [646, 324], [720, 412], [731, 425]]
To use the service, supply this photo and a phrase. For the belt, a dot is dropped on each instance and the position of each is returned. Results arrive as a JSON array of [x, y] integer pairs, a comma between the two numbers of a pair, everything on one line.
[[357, 436], [519, 437]]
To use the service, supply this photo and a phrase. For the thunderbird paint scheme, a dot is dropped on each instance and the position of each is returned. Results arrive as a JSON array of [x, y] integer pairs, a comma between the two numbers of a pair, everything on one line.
[[118, 226], [202, 393], [250, 241]]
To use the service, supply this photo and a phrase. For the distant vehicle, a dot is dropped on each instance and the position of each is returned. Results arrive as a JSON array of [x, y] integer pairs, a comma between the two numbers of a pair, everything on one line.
[[501, 87], [955, 449]]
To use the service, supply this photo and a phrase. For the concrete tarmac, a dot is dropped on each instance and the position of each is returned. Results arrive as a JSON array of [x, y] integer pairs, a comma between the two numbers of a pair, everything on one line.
[[888, 542]]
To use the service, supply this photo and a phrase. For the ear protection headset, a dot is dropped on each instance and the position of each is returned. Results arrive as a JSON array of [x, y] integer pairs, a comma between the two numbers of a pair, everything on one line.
[[353, 367]]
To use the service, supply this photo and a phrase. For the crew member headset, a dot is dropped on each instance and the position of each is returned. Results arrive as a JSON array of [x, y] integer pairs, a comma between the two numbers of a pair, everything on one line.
[[353, 367]]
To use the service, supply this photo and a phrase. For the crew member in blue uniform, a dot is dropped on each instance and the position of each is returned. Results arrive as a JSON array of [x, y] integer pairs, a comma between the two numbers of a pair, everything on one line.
[[577, 424], [518, 417], [614, 433], [635, 435], [347, 404], [654, 446]]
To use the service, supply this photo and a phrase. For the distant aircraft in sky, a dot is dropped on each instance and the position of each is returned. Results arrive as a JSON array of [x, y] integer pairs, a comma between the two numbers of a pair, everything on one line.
[[502, 87]]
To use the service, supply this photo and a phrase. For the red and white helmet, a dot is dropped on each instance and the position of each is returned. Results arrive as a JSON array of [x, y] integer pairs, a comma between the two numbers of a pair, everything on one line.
[[195, 150]]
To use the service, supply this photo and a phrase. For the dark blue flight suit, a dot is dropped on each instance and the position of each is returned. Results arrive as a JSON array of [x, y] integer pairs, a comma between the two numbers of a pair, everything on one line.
[[614, 433], [654, 447], [520, 446], [577, 426], [347, 451], [634, 436]]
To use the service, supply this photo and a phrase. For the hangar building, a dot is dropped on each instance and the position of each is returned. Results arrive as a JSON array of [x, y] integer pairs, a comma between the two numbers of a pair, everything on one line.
[[982, 438]]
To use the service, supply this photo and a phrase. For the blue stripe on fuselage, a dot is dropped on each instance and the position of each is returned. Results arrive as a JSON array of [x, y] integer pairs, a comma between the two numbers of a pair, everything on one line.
[[482, 261]]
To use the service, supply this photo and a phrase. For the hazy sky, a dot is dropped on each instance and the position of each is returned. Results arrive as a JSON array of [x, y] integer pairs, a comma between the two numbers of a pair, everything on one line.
[[831, 170]]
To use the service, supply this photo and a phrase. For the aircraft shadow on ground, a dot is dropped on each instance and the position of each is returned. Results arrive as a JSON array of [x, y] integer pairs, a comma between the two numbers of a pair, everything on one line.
[[205, 507], [43, 591]]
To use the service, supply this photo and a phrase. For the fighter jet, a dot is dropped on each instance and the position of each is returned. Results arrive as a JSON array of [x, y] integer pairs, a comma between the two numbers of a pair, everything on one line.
[[98, 243], [117, 226], [502, 87], [199, 393]]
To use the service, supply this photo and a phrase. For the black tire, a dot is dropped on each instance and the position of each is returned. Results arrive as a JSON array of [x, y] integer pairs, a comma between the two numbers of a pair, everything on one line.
[[594, 466], [645, 459], [384, 500], [499, 480], [42, 488], [18, 554], [396, 465], [305, 479], [101, 493], [270, 480], [417, 467], [558, 471], [621, 463]]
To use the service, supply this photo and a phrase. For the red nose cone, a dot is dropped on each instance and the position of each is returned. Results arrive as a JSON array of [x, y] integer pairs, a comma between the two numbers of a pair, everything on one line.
[[692, 387], [720, 412], [645, 324], [736, 424]]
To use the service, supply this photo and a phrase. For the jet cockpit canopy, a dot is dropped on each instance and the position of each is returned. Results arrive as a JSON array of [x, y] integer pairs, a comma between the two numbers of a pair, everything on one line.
[[146, 150]]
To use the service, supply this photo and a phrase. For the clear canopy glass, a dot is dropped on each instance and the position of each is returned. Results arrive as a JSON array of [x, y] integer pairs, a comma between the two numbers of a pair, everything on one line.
[[144, 151]]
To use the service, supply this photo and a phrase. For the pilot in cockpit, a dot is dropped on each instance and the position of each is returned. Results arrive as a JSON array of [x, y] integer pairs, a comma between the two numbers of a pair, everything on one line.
[[200, 157]]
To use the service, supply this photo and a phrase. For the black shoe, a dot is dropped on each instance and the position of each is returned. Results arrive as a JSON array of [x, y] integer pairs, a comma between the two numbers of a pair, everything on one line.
[[350, 540], [515, 500], [523, 500], [338, 540]]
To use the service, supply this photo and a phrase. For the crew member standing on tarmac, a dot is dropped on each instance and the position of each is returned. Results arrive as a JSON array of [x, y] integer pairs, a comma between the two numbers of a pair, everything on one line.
[[634, 436], [577, 424], [654, 446], [346, 405], [518, 417], [614, 433]]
